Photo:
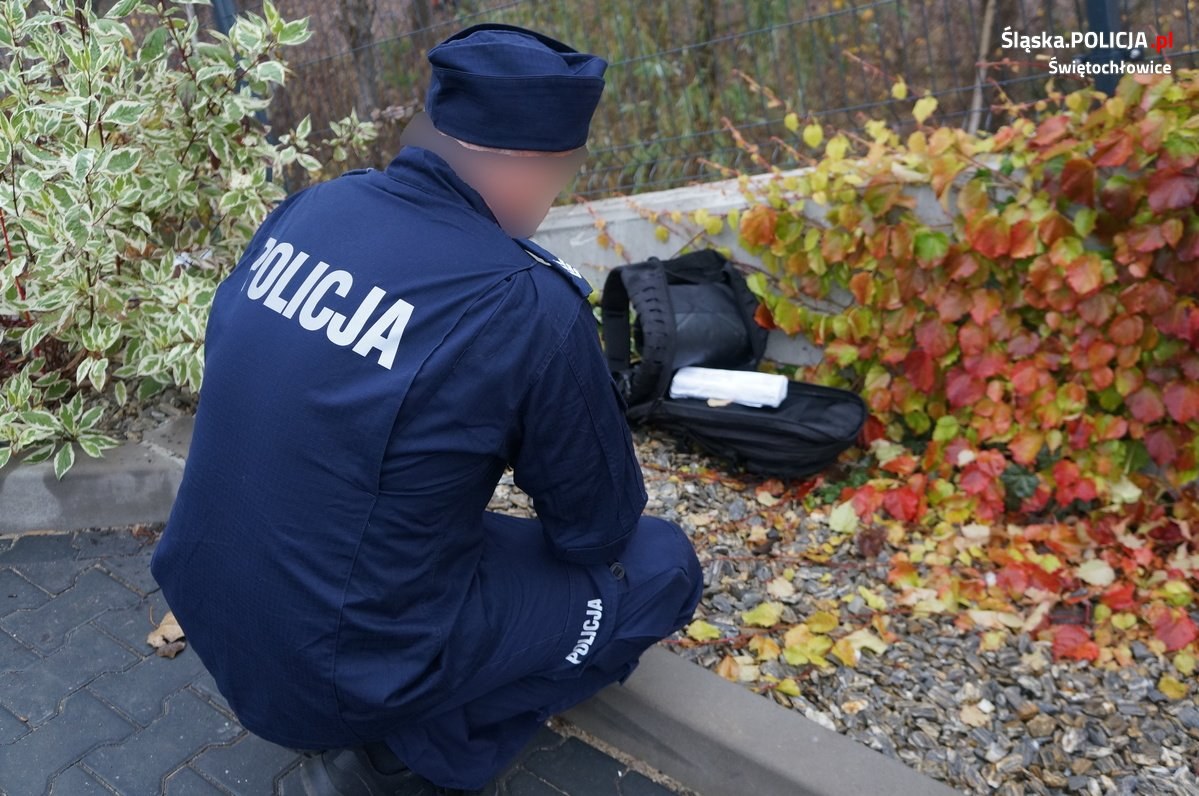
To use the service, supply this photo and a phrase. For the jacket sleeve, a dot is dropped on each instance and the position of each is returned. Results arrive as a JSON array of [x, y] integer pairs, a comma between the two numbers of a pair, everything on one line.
[[575, 457]]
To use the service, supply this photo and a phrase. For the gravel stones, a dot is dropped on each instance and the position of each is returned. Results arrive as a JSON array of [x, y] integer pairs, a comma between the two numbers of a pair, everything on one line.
[[1009, 721]]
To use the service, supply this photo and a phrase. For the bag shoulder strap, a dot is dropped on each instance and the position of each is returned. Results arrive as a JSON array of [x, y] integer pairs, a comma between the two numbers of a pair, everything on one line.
[[643, 285]]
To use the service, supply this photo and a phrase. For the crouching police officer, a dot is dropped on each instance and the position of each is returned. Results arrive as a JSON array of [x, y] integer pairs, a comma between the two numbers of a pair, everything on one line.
[[389, 342]]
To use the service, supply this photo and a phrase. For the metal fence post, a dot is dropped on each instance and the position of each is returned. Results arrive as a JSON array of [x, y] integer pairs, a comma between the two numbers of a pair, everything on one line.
[[1103, 17]]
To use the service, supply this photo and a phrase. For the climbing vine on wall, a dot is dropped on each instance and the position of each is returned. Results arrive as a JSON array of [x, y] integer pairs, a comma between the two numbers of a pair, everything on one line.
[[1031, 365]]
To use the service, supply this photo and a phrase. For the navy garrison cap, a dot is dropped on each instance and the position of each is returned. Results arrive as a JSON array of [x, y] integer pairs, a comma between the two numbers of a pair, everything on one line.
[[512, 88]]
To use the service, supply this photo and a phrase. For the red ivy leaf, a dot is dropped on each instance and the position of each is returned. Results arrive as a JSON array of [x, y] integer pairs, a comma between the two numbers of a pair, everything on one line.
[[763, 317], [1023, 239], [1054, 227], [991, 463], [861, 285], [985, 305], [1051, 130], [1100, 353], [867, 500], [1188, 251], [1073, 641], [1013, 579], [934, 337], [1161, 446], [1024, 343], [901, 503], [1085, 274], [1146, 239], [953, 304], [1113, 149], [1175, 628], [985, 365], [1037, 503], [1170, 189], [918, 367], [1171, 230], [973, 339], [1026, 377], [962, 389], [1126, 330], [1025, 446], [961, 267], [974, 481], [1146, 405], [1182, 401], [1096, 309], [1066, 477], [1150, 297], [1078, 181], [1120, 597], [1175, 321], [872, 429], [1082, 489], [758, 225], [904, 464], [991, 237]]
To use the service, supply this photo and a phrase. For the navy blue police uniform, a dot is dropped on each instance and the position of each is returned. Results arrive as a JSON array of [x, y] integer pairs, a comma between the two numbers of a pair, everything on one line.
[[379, 356]]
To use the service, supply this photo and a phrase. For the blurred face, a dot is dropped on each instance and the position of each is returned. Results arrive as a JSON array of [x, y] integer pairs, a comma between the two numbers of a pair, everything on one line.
[[519, 186]]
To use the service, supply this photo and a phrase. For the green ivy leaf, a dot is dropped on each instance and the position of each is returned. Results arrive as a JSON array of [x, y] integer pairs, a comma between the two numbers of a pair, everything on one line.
[[947, 428], [1084, 221], [931, 247]]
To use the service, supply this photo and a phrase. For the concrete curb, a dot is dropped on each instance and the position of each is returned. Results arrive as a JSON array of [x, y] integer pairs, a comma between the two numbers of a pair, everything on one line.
[[711, 735], [132, 483], [720, 739]]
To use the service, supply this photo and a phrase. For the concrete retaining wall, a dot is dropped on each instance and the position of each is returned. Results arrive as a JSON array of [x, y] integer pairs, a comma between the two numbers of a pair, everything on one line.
[[570, 232]]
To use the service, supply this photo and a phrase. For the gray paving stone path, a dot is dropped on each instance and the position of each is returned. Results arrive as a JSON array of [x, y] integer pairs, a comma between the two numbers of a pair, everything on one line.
[[86, 707]]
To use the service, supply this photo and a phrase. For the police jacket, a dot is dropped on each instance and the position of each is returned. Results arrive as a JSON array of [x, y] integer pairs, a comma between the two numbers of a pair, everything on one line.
[[379, 355]]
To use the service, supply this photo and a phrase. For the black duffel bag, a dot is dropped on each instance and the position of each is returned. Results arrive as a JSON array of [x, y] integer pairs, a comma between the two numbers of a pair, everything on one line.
[[696, 309]]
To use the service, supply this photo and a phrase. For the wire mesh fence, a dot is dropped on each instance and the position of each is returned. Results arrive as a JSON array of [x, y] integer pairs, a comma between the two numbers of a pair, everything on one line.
[[682, 72]]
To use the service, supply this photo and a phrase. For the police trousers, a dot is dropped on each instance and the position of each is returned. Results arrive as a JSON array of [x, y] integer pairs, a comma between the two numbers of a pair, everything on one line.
[[569, 631]]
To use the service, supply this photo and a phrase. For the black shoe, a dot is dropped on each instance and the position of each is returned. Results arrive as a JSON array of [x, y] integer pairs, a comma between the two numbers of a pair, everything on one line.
[[349, 772]]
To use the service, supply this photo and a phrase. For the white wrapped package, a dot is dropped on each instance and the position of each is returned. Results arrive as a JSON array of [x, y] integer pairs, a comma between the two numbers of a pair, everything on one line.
[[746, 387]]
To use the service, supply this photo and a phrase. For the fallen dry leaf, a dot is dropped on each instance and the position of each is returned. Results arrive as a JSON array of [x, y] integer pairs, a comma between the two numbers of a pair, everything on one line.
[[1171, 687], [764, 614], [780, 587], [765, 498], [729, 669], [168, 630], [854, 706]]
